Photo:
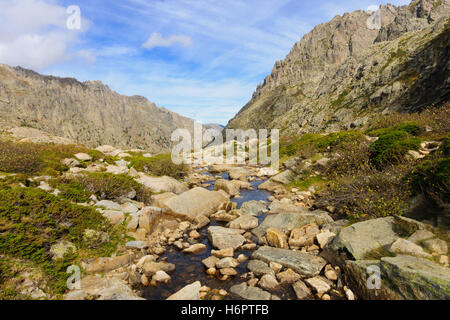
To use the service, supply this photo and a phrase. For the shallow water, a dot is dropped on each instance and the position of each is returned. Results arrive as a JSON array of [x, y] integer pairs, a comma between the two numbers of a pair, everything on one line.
[[189, 267]]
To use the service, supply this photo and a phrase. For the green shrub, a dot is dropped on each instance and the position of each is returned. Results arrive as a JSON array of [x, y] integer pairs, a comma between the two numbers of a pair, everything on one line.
[[391, 147], [71, 190], [160, 165], [32, 220], [432, 178]]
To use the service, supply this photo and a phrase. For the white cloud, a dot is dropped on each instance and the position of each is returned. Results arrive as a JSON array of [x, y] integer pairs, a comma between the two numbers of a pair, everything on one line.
[[34, 34], [157, 40]]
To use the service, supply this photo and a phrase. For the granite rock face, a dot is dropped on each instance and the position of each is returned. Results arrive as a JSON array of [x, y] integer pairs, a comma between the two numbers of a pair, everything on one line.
[[342, 72], [91, 112]]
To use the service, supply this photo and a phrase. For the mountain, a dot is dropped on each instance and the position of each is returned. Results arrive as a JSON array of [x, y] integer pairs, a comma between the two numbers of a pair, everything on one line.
[[342, 73], [86, 112]]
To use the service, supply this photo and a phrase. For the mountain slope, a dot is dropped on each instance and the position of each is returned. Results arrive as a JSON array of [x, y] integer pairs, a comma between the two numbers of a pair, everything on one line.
[[87, 112], [342, 72]]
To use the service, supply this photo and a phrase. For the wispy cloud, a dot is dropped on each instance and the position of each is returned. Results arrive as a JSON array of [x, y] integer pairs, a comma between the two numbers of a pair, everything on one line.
[[157, 40]]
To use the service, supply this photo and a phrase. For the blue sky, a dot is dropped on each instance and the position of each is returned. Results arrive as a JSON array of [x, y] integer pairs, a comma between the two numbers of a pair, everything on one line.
[[200, 58]]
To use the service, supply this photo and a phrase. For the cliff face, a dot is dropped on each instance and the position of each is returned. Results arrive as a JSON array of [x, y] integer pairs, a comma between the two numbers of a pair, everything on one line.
[[342, 72], [87, 112]]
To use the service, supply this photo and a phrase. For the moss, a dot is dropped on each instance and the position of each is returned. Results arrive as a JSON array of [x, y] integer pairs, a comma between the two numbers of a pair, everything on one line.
[[71, 190], [305, 184]]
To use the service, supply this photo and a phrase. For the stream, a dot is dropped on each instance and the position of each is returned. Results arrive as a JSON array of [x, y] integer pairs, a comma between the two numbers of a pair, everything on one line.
[[189, 267]]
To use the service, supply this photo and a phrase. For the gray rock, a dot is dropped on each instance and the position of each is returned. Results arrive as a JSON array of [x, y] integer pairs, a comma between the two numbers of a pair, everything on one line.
[[286, 222], [421, 235], [253, 207], [109, 205], [245, 222], [436, 245], [223, 238], [259, 268], [284, 177], [137, 244], [189, 292], [243, 291], [416, 278], [303, 263]]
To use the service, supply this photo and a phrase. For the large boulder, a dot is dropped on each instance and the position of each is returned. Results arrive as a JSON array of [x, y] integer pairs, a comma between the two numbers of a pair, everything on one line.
[[363, 239], [197, 201], [286, 222], [161, 184], [284, 177], [189, 292], [224, 238], [245, 222], [303, 263], [416, 278], [253, 207], [103, 265]]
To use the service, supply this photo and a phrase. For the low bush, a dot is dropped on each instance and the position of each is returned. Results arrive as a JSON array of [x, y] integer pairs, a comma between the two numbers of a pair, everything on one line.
[[160, 165]]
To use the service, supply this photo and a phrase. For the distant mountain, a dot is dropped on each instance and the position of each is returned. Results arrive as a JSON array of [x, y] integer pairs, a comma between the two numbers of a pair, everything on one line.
[[215, 126], [342, 73], [86, 112]]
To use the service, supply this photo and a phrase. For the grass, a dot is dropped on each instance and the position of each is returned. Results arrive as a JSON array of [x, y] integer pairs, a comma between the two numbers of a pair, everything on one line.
[[305, 184]]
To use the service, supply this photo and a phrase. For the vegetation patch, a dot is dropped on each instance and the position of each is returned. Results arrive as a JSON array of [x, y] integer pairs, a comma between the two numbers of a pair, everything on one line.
[[160, 165]]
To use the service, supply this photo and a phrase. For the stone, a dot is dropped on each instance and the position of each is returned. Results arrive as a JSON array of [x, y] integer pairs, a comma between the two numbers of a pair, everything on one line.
[[276, 238], [210, 262], [238, 173], [83, 157], [201, 221], [276, 267], [103, 265], [228, 252], [303, 263], [196, 248], [436, 246], [161, 276], [421, 235], [259, 268], [228, 271], [133, 223], [407, 247], [416, 278], [223, 238], [61, 248], [268, 282], [249, 246], [161, 184], [324, 238], [302, 291], [144, 280], [71, 163], [159, 200], [284, 177], [363, 238], [241, 258], [243, 291], [115, 217], [303, 236], [245, 222], [253, 207], [335, 226], [226, 186], [288, 276], [189, 292], [318, 284], [330, 273], [444, 260], [150, 268], [211, 271], [103, 289], [94, 238], [195, 202], [194, 234], [109, 205], [286, 222], [137, 244], [349, 294], [227, 263]]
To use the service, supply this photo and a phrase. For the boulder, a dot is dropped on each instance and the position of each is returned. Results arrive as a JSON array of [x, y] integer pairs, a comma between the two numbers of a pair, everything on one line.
[[288, 276], [159, 200], [362, 239], [109, 205], [103, 265], [259, 268], [407, 247], [83, 157], [436, 246], [150, 267], [324, 238], [115, 217], [245, 222], [239, 173], [189, 292], [223, 238], [421, 235], [161, 184], [226, 186], [416, 278], [243, 291], [304, 236], [286, 222], [284, 177], [268, 282], [319, 284], [302, 291], [303, 263], [195, 202], [137, 244], [253, 207]]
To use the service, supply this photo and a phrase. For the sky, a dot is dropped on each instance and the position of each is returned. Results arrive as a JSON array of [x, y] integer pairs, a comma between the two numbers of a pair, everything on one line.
[[200, 58]]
